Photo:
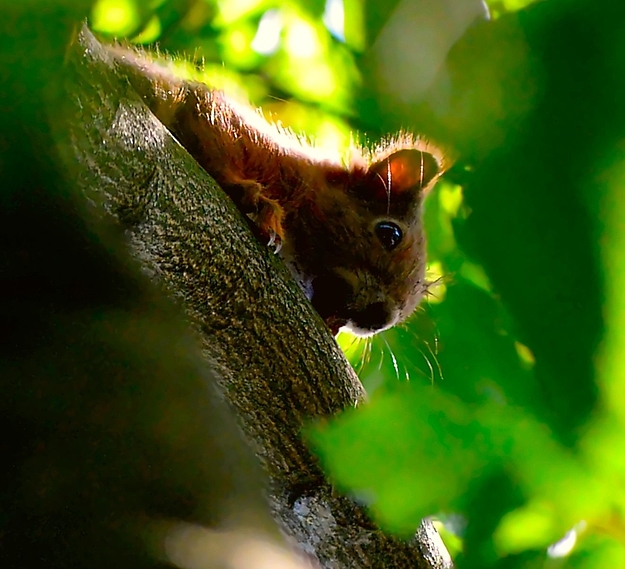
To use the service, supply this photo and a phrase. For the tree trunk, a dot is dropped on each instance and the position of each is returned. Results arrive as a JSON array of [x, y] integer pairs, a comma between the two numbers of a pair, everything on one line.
[[280, 367]]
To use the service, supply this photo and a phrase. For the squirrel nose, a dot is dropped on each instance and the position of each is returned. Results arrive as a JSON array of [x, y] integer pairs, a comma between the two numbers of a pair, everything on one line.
[[375, 316], [333, 298]]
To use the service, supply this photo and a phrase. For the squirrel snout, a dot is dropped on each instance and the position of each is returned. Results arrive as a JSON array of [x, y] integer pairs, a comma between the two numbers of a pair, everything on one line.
[[336, 301], [372, 318]]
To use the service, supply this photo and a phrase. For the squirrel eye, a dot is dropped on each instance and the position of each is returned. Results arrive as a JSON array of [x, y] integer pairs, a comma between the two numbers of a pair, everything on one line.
[[389, 234]]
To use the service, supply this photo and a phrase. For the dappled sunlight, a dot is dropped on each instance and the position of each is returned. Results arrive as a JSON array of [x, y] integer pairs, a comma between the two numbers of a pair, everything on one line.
[[267, 38], [115, 16], [334, 18], [564, 546], [151, 32], [230, 11], [301, 39]]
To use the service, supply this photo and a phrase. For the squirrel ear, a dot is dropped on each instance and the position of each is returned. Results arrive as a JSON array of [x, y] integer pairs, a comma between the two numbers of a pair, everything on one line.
[[405, 171]]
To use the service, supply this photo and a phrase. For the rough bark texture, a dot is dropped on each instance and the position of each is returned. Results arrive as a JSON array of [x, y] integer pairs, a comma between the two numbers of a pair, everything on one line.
[[117, 439], [280, 366]]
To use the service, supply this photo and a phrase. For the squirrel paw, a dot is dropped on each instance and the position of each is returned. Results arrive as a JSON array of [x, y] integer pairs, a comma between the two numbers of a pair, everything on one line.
[[269, 221], [266, 212]]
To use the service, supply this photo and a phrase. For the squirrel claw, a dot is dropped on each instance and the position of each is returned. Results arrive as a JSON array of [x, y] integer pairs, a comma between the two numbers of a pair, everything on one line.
[[269, 221], [266, 212], [274, 240]]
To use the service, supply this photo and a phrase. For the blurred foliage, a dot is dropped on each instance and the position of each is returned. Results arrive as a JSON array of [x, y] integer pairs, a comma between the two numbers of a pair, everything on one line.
[[498, 407], [499, 7]]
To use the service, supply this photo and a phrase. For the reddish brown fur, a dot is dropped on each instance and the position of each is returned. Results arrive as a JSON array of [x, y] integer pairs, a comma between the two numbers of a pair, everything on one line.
[[323, 213]]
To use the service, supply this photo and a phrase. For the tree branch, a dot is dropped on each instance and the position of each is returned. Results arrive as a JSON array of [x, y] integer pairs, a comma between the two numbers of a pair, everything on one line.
[[279, 364]]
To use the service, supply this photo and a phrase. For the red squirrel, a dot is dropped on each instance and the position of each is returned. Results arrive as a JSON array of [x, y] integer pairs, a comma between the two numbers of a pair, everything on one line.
[[352, 234]]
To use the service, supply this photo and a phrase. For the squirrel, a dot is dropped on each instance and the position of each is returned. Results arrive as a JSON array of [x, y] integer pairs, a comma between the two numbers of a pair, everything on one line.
[[351, 233]]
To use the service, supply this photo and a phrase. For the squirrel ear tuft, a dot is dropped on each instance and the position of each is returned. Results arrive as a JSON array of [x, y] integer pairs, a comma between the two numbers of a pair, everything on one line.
[[405, 171]]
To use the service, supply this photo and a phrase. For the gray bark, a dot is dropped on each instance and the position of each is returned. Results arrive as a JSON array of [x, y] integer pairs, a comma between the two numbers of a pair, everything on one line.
[[279, 365]]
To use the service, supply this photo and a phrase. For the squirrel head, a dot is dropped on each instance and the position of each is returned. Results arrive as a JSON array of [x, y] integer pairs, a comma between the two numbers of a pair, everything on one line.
[[360, 245]]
